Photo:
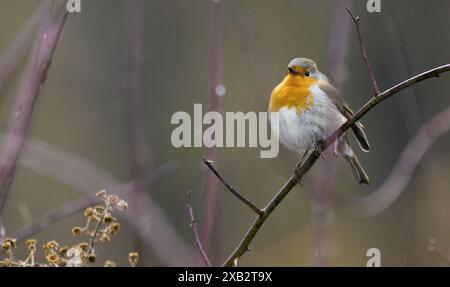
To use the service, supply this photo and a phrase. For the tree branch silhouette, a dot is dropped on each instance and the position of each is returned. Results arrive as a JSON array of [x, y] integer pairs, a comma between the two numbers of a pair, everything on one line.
[[198, 242], [375, 88], [27, 94], [302, 169], [242, 198]]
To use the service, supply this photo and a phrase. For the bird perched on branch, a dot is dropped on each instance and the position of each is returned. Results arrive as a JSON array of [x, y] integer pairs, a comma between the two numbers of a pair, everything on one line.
[[308, 109]]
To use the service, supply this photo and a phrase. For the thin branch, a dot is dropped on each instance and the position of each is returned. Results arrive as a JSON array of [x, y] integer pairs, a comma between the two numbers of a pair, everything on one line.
[[27, 94], [198, 242], [152, 226], [323, 182], [403, 170], [140, 150], [73, 207], [52, 217], [376, 90], [210, 210], [231, 189], [300, 171], [13, 54]]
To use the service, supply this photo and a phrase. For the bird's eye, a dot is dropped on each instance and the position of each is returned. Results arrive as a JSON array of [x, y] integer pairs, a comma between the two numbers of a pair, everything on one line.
[[307, 73]]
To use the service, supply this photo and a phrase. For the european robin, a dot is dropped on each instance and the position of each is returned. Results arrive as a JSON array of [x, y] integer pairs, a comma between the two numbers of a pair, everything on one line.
[[309, 109]]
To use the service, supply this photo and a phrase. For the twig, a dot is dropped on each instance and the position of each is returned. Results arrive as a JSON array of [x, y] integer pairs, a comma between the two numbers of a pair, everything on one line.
[[210, 203], [404, 168], [198, 243], [13, 54], [152, 226], [242, 198], [306, 166], [52, 217], [27, 94], [323, 181], [376, 90], [140, 150], [96, 231]]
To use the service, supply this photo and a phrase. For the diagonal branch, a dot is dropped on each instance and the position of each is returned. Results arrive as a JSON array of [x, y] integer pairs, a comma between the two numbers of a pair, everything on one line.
[[27, 94], [376, 90], [231, 189], [306, 166], [216, 58], [13, 54], [73, 207], [198, 242], [152, 226]]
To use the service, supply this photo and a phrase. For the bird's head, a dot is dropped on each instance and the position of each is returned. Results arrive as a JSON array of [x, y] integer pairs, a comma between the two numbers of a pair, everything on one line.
[[305, 68]]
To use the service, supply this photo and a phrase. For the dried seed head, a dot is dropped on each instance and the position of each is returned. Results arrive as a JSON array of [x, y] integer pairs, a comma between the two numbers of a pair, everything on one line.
[[112, 199], [105, 237], [133, 258], [99, 208], [84, 246], [121, 205], [92, 257], [31, 244], [9, 243], [63, 251], [108, 219], [76, 231], [109, 263], [52, 258], [101, 194], [114, 228], [51, 245], [88, 212]]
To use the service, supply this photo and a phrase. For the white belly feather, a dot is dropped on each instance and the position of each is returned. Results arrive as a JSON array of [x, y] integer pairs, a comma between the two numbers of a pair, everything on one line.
[[300, 131]]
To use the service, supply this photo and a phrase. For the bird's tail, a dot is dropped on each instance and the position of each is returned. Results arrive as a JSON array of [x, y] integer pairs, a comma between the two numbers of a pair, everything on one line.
[[357, 170]]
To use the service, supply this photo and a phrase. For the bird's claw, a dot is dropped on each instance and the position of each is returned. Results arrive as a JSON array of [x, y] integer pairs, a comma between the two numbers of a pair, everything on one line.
[[318, 150]]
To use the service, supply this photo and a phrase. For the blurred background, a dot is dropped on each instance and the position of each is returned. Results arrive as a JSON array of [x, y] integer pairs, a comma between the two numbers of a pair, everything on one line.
[[122, 68]]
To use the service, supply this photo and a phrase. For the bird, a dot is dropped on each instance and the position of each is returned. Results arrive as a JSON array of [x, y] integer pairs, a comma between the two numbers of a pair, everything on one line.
[[307, 109]]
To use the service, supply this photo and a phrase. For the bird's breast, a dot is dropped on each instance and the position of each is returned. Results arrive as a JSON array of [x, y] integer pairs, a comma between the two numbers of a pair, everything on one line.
[[290, 94]]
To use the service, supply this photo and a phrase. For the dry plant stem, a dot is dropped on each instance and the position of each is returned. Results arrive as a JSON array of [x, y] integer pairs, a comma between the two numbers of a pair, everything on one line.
[[306, 166], [140, 150], [324, 181], [53, 216], [13, 54], [210, 203], [198, 242], [75, 206], [153, 226], [231, 189], [96, 231], [376, 90], [28, 91]]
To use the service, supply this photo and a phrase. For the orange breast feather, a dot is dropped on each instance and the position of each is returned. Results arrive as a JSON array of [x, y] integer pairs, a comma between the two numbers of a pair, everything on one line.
[[292, 92]]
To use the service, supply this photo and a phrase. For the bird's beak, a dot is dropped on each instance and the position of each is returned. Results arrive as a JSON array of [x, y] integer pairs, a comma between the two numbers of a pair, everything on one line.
[[291, 70]]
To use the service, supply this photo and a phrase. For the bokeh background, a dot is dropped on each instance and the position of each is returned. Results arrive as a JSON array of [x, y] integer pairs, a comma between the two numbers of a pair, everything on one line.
[[188, 47]]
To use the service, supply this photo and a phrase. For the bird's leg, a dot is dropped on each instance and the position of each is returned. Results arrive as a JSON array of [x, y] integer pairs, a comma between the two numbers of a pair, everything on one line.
[[335, 147], [318, 150]]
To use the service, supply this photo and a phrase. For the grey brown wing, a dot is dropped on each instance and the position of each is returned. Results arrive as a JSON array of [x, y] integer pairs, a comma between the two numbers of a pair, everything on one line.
[[339, 102]]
